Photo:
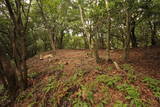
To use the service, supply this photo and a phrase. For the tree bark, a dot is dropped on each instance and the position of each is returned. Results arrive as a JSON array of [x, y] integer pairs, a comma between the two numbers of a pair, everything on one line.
[[87, 34], [133, 37], [8, 74], [61, 39], [153, 33], [19, 38], [127, 37], [108, 39], [95, 44]]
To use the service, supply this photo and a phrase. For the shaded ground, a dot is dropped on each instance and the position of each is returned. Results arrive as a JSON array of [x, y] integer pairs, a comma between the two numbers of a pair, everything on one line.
[[73, 71]]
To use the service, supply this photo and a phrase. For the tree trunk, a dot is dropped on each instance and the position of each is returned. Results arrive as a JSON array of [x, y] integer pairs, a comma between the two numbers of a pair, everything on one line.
[[87, 34], [19, 38], [108, 39], [127, 37], [95, 44], [8, 75], [153, 34], [85, 41], [52, 40], [133, 37], [61, 39]]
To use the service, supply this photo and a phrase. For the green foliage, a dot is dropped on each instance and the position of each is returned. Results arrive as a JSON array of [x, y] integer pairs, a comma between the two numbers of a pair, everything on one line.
[[127, 67], [32, 104], [74, 42], [100, 105], [132, 94], [24, 95], [98, 68], [108, 80], [154, 85], [79, 103], [120, 104], [130, 72], [110, 68], [131, 91], [1, 88], [88, 92], [51, 85], [78, 74], [33, 74], [4, 98], [59, 67]]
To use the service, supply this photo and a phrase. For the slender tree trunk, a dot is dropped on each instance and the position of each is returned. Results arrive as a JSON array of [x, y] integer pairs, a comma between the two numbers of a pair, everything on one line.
[[95, 44], [133, 37], [52, 40], [127, 37], [87, 34], [153, 34], [108, 38], [61, 39], [85, 41]]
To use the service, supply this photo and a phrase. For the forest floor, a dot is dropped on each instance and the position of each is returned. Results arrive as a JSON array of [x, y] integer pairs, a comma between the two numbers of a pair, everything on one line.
[[72, 78]]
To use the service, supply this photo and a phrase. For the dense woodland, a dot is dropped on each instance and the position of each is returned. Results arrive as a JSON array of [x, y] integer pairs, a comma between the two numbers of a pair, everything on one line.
[[80, 53]]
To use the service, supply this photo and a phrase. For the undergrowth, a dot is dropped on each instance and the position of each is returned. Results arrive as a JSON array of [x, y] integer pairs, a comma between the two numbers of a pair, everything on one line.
[[154, 85], [132, 94], [108, 80]]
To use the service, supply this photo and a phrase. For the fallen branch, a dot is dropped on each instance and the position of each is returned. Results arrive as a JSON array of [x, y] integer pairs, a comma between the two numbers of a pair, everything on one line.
[[117, 66]]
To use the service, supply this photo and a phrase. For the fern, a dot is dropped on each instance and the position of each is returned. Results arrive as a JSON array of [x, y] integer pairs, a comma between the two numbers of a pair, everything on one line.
[[154, 85], [79, 103], [132, 94], [120, 104], [108, 80]]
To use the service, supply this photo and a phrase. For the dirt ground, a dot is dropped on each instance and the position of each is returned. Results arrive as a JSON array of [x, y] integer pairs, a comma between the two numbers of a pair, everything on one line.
[[146, 62]]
